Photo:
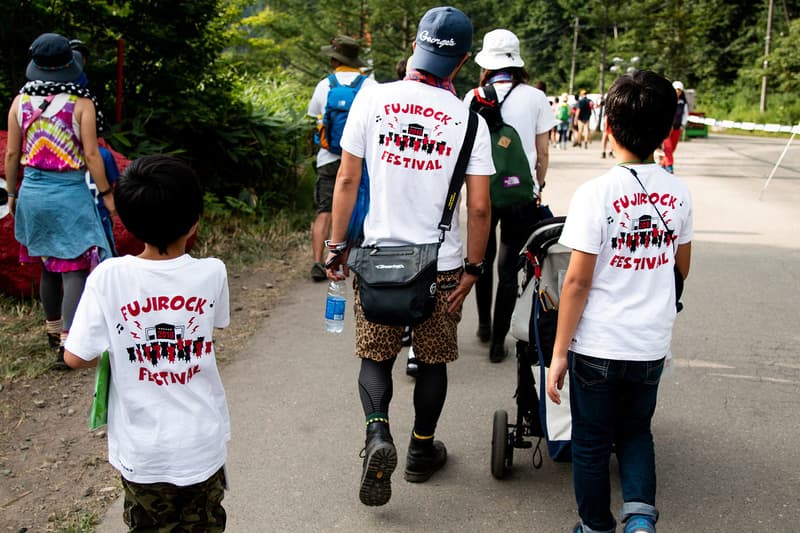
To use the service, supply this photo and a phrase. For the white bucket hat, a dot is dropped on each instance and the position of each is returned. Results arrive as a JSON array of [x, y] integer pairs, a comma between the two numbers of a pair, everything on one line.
[[500, 50], [677, 85]]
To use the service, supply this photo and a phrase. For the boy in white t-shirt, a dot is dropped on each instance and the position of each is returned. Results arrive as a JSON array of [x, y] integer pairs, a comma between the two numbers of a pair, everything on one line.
[[630, 231], [155, 313]]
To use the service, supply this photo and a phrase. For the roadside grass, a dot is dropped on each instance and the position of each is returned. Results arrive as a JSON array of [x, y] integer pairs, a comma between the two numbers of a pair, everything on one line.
[[240, 239], [24, 350], [78, 523]]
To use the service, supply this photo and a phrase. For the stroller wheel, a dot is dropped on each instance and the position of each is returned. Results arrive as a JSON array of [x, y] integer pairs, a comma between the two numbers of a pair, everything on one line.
[[501, 449]]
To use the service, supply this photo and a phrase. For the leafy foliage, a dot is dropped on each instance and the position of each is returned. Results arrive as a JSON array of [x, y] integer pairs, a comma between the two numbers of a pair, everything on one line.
[[225, 83]]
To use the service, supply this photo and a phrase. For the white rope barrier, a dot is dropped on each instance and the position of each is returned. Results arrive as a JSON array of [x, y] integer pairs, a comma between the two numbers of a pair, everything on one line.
[[747, 126]]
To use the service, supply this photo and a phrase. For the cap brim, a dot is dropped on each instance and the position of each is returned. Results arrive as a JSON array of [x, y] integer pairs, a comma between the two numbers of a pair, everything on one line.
[[70, 73], [354, 62], [438, 65]]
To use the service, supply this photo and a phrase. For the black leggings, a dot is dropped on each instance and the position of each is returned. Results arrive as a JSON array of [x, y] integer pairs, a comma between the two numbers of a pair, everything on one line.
[[60, 292], [516, 225], [430, 390]]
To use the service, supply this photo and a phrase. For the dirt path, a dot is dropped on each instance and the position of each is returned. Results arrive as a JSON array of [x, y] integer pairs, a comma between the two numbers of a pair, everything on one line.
[[54, 473]]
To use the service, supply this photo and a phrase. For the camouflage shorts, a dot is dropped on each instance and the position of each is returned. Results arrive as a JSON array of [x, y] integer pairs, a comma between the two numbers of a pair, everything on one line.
[[162, 507]]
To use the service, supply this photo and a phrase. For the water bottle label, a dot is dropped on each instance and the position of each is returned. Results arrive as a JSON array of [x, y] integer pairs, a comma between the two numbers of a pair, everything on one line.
[[334, 308]]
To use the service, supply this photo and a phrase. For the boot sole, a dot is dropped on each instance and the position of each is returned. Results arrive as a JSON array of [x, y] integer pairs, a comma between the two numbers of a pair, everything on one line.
[[376, 484]]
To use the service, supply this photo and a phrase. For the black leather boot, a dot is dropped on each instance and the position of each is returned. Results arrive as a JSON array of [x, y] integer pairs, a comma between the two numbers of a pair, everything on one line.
[[424, 458], [380, 460]]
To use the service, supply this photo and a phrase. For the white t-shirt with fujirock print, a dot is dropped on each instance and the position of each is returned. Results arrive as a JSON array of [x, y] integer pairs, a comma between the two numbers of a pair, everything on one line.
[[319, 100], [167, 416], [630, 310], [410, 134]]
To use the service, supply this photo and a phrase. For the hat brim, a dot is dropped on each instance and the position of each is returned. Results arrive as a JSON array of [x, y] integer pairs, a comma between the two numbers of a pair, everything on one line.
[[491, 61], [354, 62], [68, 73], [439, 65]]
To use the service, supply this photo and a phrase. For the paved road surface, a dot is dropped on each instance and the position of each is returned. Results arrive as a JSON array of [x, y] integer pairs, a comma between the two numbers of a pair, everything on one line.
[[726, 430]]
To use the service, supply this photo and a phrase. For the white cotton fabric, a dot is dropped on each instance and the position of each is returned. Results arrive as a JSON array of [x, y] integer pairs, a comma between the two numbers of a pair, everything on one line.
[[630, 310], [393, 126], [167, 421]]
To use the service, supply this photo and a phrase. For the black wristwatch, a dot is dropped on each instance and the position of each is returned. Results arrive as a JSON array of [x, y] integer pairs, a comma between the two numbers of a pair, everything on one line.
[[474, 269]]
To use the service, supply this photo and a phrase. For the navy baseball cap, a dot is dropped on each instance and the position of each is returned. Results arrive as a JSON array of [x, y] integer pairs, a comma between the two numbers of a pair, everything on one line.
[[443, 37]]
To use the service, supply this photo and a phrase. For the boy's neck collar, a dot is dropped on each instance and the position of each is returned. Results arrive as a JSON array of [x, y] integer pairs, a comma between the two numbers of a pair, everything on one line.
[[627, 157], [174, 251]]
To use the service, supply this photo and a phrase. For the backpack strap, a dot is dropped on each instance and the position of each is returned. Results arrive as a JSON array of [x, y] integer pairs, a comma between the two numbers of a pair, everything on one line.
[[333, 81], [500, 103], [356, 84], [458, 174], [37, 113]]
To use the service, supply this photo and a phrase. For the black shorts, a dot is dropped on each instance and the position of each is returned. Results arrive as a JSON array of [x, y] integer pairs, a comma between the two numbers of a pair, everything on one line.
[[323, 190]]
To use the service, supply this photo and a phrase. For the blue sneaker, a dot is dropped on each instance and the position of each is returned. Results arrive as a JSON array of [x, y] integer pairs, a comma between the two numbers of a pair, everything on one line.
[[639, 523]]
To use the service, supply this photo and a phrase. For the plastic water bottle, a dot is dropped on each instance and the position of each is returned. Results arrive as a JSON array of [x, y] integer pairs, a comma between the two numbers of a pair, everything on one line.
[[334, 307]]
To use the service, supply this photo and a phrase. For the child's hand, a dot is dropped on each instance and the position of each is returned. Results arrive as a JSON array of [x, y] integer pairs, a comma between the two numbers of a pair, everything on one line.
[[555, 377]]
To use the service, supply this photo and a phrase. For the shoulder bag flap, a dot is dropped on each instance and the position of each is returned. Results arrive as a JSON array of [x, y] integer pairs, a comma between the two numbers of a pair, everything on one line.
[[390, 265]]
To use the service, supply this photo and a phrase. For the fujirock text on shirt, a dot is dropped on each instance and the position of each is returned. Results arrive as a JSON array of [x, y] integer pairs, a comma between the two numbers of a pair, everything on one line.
[[666, 200], [416, 109], [193, 304]]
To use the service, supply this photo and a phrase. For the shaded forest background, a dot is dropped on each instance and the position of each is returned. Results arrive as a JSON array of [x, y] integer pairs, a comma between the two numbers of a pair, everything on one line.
[[225, 83]]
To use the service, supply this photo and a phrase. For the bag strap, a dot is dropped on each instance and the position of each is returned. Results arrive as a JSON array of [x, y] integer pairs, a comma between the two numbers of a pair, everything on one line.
[[37, 112], [356, 83], [333, 81], [458, 175]]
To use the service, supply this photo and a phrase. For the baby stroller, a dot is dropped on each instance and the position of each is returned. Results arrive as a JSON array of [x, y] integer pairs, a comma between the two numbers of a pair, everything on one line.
[[542, 264]]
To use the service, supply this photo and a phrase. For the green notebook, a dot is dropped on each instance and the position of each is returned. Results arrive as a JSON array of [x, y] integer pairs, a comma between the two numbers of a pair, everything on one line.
[[98, 416]]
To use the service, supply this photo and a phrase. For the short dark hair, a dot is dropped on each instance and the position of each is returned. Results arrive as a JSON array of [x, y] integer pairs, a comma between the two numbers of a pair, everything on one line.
[[640, 108], [158, 199], [400, 69]]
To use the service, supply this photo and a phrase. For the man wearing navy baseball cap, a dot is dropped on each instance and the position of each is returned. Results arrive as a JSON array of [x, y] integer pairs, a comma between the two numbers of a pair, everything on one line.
[[409, 133], [443, 42]]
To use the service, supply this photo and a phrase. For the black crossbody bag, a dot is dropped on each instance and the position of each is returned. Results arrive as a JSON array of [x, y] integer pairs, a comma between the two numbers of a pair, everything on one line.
[[397, 284]]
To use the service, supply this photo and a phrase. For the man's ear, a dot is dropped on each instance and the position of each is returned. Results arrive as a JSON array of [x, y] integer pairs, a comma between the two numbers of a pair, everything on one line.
[[458, 67]]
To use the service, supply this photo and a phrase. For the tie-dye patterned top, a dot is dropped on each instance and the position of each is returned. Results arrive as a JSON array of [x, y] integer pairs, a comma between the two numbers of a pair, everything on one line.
[[51, 142]]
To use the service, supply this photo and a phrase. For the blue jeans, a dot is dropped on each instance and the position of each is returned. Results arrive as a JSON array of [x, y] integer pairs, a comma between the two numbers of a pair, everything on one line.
[[612, 403]]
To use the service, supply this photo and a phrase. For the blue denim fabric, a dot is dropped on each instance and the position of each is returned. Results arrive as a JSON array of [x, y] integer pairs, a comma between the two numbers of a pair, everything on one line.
[[612, 403]]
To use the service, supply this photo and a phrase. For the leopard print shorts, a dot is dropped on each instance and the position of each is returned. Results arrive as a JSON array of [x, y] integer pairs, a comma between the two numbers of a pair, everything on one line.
[[435, 340]]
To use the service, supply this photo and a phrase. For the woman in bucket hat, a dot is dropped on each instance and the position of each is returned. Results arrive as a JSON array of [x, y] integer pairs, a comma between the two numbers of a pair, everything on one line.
[[52, 133], [527, 110]]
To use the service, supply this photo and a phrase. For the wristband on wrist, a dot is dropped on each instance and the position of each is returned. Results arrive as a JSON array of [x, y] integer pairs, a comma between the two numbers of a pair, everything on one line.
[[474, 269], [106, 192], [12, 195], [336, 248]]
